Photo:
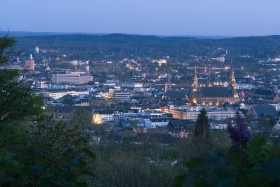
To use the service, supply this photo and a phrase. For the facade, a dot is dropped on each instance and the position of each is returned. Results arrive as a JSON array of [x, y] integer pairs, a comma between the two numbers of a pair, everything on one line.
[[71, 78], [29, 64], [122, 96], [205, 93], [59, 94], [217, 113]]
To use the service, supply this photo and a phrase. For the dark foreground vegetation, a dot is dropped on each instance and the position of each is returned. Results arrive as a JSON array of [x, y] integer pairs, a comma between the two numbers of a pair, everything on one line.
[[37, 151]]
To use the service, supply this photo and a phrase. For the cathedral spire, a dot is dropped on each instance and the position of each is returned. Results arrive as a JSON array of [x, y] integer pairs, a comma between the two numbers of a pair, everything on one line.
[[232, 77], [195, 81], [233, 84], [209, 78]]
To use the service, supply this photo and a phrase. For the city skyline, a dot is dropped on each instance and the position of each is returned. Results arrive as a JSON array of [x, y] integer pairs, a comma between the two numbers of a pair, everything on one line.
[[214, 18]]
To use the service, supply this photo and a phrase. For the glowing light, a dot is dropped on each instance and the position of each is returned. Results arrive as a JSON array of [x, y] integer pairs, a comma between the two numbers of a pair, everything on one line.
[[161, 61], [96, 119], [194, 100]]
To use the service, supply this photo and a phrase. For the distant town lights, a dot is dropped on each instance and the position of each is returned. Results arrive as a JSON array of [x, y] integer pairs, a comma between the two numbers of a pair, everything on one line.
[[161, 61]]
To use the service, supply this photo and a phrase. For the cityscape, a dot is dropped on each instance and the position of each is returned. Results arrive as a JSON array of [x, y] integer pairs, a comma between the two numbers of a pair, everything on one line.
[[105, 108], [152, 92]]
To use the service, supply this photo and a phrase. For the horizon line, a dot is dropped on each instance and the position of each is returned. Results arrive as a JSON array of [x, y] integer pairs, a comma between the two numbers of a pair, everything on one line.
[[136, 34]]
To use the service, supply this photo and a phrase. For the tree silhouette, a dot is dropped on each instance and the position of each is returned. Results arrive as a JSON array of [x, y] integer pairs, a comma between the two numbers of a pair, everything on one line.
[[17, 101], [201, 132]]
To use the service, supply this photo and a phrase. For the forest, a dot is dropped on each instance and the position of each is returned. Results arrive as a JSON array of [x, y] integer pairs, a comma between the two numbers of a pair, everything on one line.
[[118, 46]]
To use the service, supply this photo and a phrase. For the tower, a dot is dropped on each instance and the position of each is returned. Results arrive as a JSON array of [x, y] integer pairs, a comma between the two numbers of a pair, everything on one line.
[[37, 49], [30, 64], [167, 85], [233, 84], [209, 78], [193, 95], [195, 81], [87, 70]]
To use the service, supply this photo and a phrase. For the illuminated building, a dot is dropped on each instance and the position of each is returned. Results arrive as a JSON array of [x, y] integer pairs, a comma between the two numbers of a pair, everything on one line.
[[212, 93]]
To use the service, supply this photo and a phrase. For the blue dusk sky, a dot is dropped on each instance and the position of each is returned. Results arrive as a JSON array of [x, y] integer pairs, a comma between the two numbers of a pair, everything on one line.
[[156, 17]]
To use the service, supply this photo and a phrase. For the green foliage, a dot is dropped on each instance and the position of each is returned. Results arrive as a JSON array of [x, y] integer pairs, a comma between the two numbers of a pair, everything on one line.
[[67, 100], [12, 136], [256, 165], [202, 127], [6, 50], [201, 137], [247, 162], [122, 46], [132, 165], [50, 154], [16, 100], [35, 151], [82, 118]]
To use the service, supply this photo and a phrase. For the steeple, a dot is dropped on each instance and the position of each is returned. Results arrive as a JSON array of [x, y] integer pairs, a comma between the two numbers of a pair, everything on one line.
[[195, 81], [209, 78], [233, 84], [167, 85], [232, 77]]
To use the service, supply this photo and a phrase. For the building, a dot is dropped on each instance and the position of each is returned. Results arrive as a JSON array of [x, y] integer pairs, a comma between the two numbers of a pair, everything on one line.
[[122, 96], [37, 49], [262, 110], [191, 113], [57, 94], [206, 93], [264, 94], [72, 78], [29, 64]]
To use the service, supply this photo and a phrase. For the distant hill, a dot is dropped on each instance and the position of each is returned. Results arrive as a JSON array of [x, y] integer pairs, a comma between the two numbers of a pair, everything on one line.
[[122, 45], [24, 33]]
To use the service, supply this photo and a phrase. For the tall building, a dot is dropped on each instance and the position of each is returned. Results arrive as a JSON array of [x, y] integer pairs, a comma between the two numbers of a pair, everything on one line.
[[87, 70], [29, 64], [71, 78], [206, 93], [167, 85]]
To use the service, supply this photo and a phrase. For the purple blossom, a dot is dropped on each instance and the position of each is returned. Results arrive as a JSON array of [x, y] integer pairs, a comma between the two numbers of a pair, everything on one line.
[[239, 133]]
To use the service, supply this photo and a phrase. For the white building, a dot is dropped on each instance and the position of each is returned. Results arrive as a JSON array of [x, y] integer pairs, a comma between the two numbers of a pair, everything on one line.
[[72, 78], [37, 49], [192, 113], [122, 96]]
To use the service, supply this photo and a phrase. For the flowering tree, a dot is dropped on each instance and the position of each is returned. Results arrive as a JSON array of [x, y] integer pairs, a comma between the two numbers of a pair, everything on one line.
[[239, 133]]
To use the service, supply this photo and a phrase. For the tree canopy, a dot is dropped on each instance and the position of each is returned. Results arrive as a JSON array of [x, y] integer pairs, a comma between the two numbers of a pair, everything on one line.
[[17, 101]]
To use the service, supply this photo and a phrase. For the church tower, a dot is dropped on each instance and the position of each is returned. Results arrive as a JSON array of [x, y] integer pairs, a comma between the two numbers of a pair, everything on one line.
[[233, 84], [193, 95], [167, 85], [195, 81]]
